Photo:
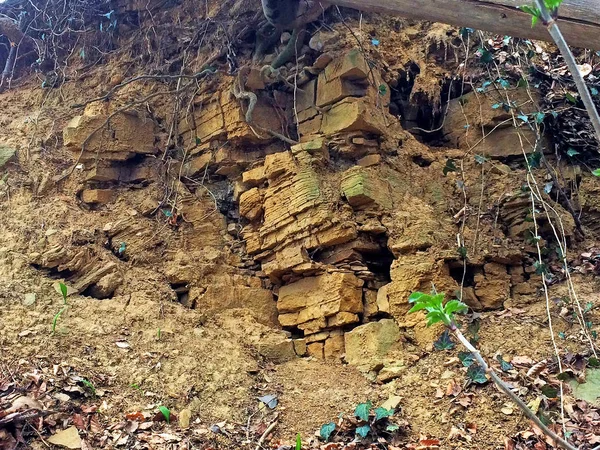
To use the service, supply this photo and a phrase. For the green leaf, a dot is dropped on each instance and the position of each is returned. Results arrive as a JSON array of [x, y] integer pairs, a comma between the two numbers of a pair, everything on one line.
[[444, 342], [437, 300], [363, 431], [64, 291], [480, 159], [88, 384], [418, 307], [462, 252], [522, 82], [539, 117], [540, 268], [523, 117], [454, 306], [596, 172], [166, 413], [496, 105], [415, 296], [534, 20], [502, 82], [382, 413], [484, 55], [477, 374], [326, 430], [572, 152], [571, 98], [504, 365], [435, 317], [449, 167], [594, 91], [466, 358], [534, 159], [549, 391], [593, 362], [198, 141], [564, 376], [392, 427], [299, 441], [362, 411]]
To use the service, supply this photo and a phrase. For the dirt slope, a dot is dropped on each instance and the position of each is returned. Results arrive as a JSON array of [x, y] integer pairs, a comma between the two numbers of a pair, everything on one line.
[[217, 252]]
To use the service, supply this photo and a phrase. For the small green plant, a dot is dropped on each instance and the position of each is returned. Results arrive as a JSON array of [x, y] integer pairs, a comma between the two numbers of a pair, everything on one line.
[[64, 292], [437, 311], [166, 412], [371, 421], [298, 442], [158, 334], [478, 369], [89, 385]]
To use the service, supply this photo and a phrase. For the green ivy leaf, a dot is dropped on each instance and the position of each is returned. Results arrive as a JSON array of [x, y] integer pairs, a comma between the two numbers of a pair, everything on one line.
[[496, 105], [549, 391], [484, 55], [450, 167], [363, 431], [466, 358], [505, 84], [477, 374], [572, 152], [540, 268], [166, 413], [523, 117], [596, 172], [539, 117], [326, 430], [504, 365], [392, 427], [462, 252], [534, 159], [382, 413], [444, 342], [362, 411], [480, 159]]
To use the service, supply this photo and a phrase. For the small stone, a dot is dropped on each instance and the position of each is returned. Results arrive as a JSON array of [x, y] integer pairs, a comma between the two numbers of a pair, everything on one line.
[[369, 160], [68, 438], [29, 299], [285, 37], [300, 347], [101, 196], [322, 61], [184, 418], [392, 403]]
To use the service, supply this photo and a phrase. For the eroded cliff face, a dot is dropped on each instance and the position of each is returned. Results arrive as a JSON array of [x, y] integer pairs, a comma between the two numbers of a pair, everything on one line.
[[186, 200], [319, 236]]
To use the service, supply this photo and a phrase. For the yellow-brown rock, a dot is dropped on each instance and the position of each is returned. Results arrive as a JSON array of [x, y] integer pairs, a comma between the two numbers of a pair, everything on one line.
[[251, 204], [320, 297], [367, 345], [129, 134]]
